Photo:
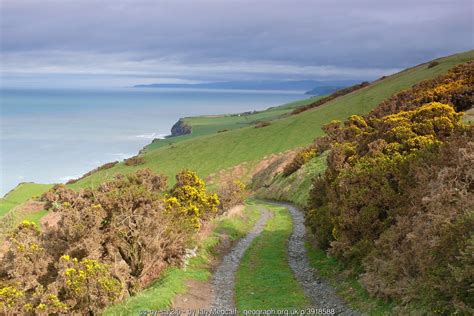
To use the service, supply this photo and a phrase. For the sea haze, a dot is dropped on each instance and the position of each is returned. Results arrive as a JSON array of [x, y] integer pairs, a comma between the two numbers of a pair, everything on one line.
[[52, 135]]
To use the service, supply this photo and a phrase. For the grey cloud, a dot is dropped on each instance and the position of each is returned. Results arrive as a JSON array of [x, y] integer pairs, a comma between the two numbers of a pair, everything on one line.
[[213, 35]]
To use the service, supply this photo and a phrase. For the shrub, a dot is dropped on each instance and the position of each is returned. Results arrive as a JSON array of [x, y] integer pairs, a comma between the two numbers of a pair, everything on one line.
[[433, 64], [366, 172], [190, 201], [396, 200], [231, 193], [12, 301], [88, 285], [117, 238], [454, 88], [262, 124], [423, 256], [134, 161], [299, 160]]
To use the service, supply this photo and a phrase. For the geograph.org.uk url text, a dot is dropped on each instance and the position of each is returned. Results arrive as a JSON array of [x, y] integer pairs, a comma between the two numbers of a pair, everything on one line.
[[251, 312]]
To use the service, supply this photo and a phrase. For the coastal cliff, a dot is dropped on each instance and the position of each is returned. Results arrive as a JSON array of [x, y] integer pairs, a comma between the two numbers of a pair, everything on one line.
[[180, 128]]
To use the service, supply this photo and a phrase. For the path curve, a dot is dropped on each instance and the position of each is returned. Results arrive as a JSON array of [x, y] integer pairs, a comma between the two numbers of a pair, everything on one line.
[[321, 294], [223, 280]]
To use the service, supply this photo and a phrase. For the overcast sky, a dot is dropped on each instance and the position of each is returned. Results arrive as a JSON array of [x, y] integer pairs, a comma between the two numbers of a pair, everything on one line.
[[126, 42]]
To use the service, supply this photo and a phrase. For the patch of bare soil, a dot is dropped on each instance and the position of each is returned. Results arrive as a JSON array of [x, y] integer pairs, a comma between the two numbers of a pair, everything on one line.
[[30, 207], [198, 296]]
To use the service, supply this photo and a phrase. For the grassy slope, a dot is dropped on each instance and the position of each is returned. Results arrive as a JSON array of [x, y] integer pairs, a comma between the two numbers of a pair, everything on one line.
[[293, 188], [205, 125], [210, 153], [264, 279], [173, 281], [22, 193]]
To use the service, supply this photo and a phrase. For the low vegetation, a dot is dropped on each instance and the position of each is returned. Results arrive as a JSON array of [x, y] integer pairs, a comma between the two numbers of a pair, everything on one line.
[[395, 203], [231, 193], [134, 161], [110, 242], [299, 160], [173, 280]]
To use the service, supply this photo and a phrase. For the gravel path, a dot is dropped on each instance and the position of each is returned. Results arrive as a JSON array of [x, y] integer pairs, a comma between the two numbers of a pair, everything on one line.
[[223, 281], [321, 294]]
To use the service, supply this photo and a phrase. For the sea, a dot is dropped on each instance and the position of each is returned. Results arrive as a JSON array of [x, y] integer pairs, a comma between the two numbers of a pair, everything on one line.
[[53, 135]]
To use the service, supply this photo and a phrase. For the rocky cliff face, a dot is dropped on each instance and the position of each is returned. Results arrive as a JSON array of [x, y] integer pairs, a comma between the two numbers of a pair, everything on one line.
[[180, 128]]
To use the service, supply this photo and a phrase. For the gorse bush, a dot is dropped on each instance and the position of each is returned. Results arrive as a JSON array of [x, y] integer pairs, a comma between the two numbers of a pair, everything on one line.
[[231, 193], [427, 254], [109, 243], [134, 161], [299, 160], [190, 201], [433, 64], [453, 88], [396, 201]]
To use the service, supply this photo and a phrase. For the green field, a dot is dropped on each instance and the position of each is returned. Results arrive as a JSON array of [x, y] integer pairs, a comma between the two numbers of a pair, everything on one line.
[[212, 152]]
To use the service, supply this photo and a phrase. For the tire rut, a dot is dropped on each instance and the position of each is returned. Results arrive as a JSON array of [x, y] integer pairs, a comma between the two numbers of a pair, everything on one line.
[[223, 280]]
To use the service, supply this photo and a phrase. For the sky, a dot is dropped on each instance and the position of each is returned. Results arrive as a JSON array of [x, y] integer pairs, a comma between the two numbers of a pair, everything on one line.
[[82, 43]]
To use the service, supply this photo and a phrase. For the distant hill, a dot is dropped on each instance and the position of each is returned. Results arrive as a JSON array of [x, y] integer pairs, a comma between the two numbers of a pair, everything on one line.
[[319, 87], [324, 90]]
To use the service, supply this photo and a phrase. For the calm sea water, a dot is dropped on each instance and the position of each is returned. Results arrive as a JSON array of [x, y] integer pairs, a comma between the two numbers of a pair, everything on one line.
[[51, 136]]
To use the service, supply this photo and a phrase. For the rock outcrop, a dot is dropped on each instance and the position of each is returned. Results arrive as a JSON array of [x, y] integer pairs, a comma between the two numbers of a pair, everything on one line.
[[180, 128]]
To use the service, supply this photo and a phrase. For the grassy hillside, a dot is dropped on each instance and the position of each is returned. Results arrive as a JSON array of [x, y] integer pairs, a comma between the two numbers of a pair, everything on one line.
[[272, 185], [211, 124], [209, 153], [22, 193]]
